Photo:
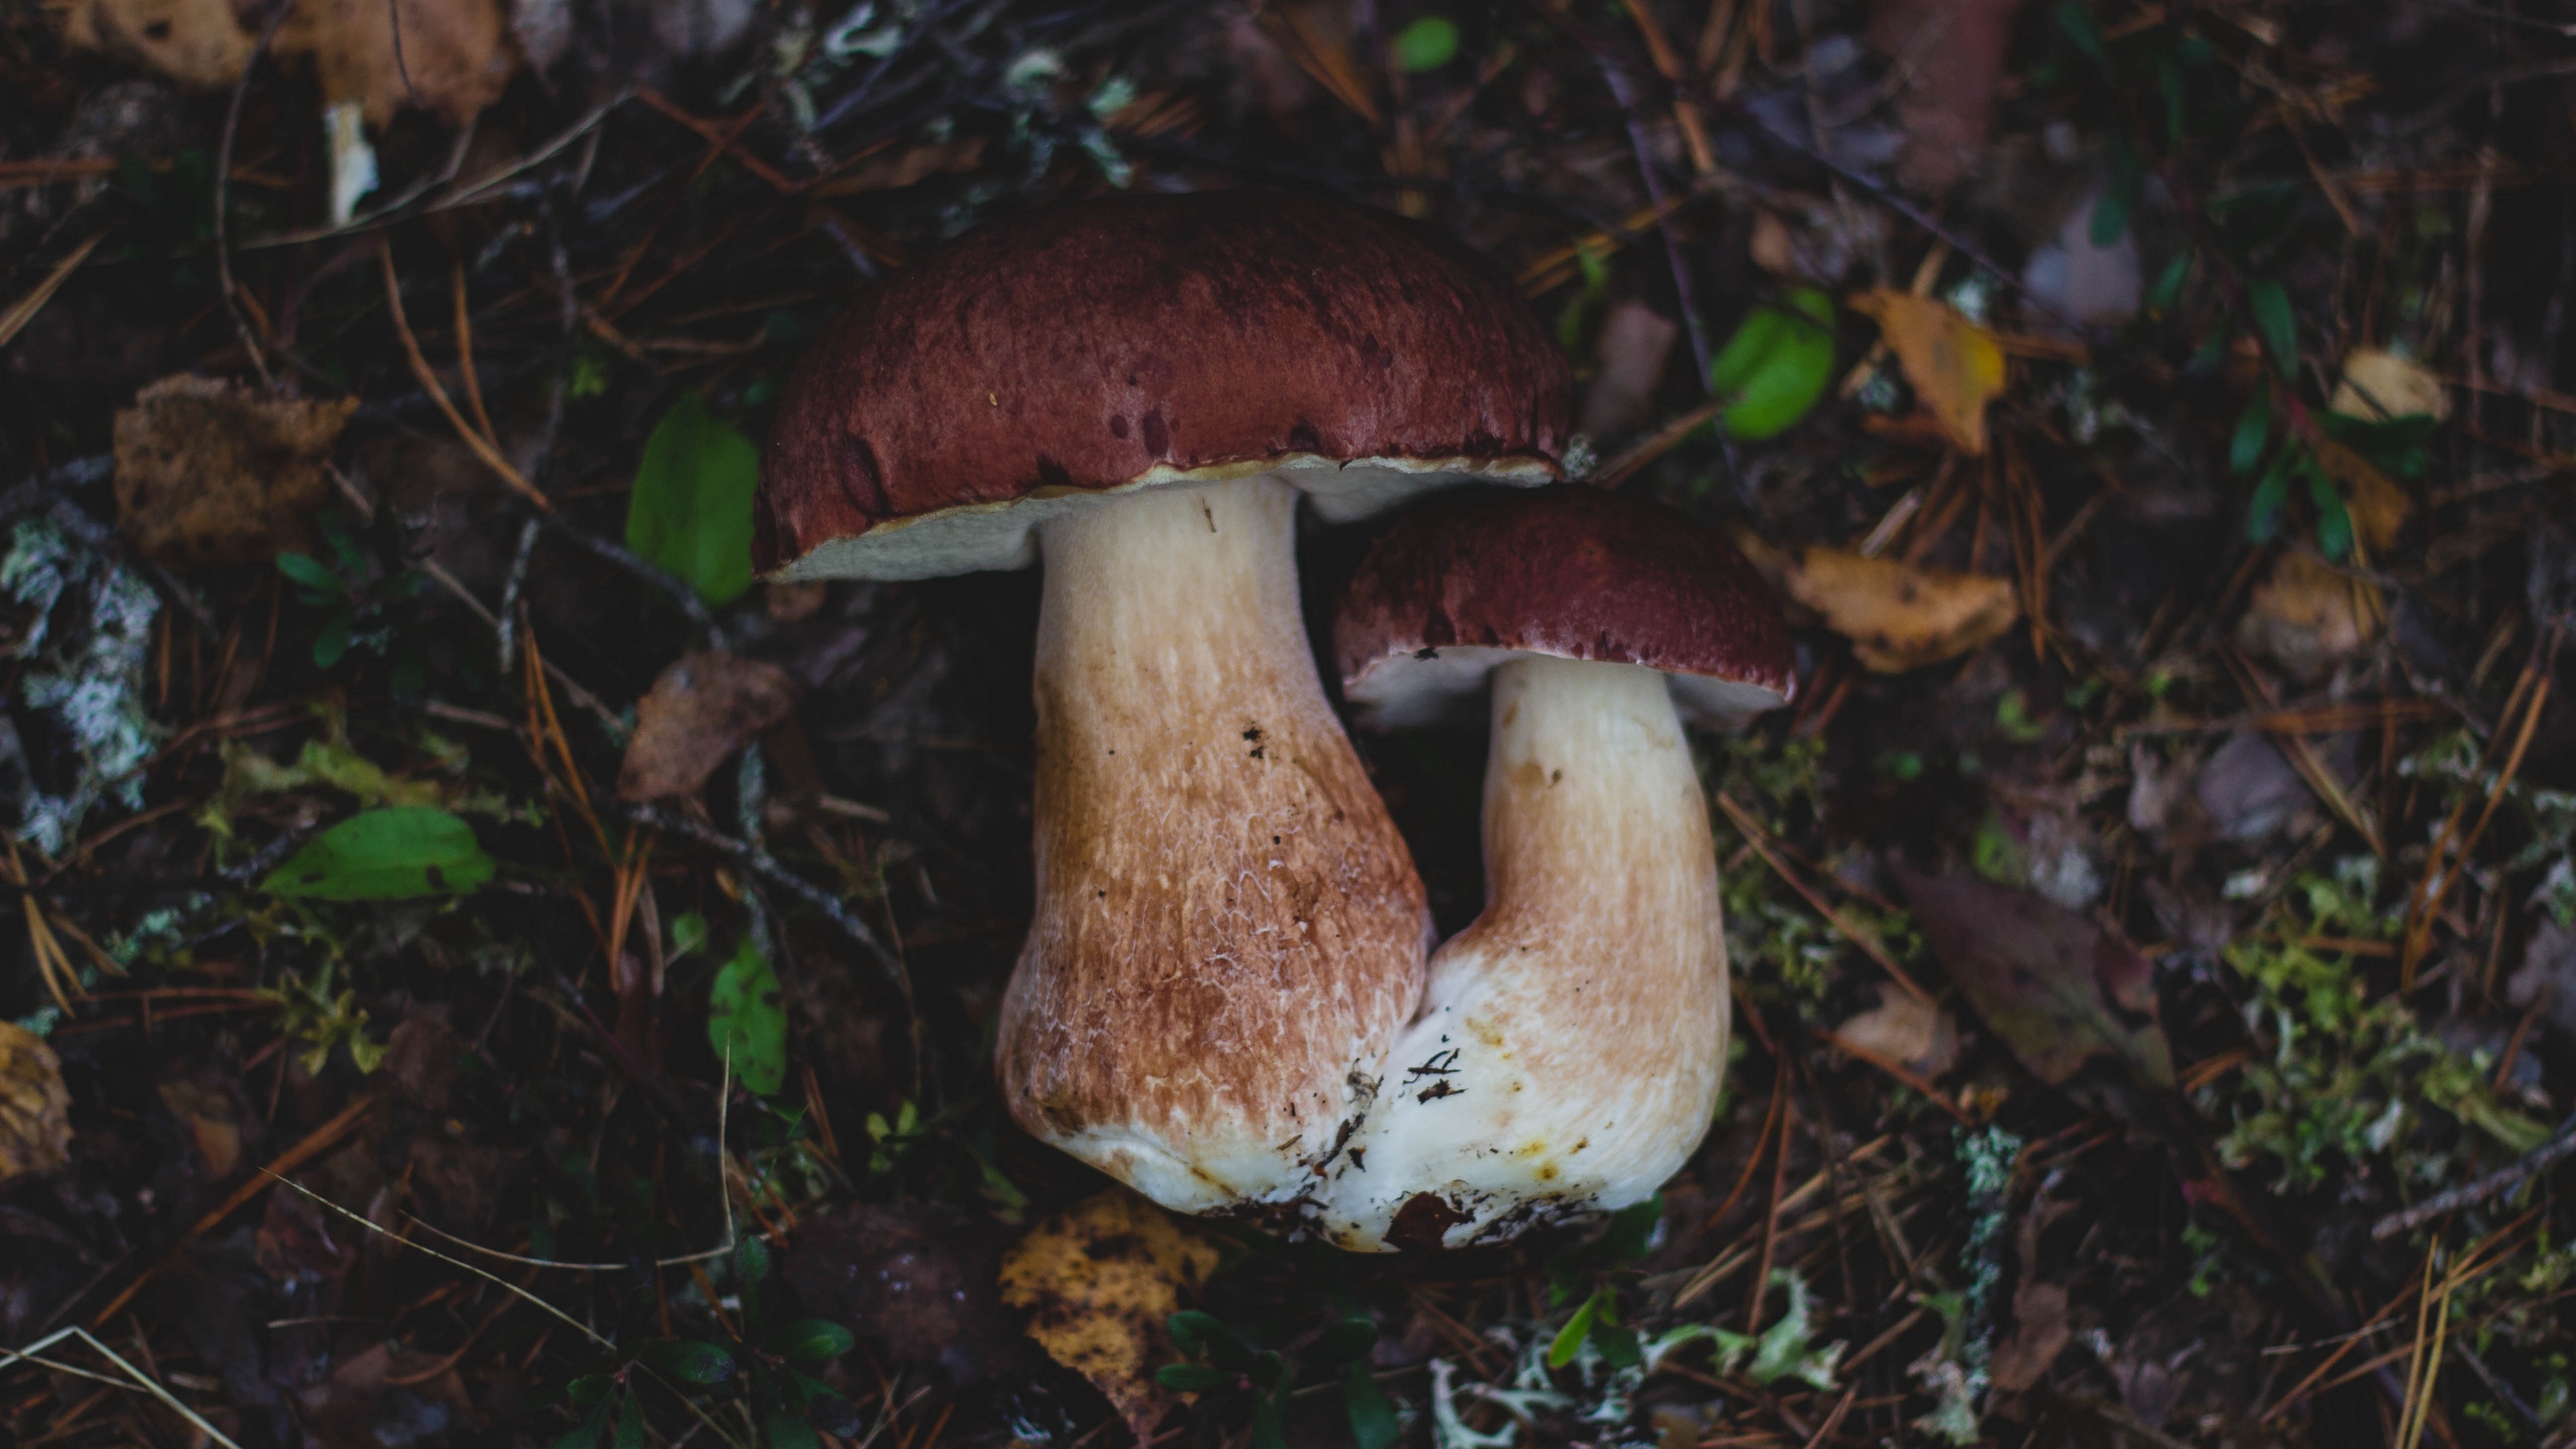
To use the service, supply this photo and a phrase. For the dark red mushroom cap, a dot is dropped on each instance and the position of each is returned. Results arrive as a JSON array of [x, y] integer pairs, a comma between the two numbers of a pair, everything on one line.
[[1471, 579], [1139, 339]]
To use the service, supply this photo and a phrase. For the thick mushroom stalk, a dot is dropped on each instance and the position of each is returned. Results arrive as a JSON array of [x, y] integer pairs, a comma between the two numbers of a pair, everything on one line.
[[1228, 929], [1571, 1045]]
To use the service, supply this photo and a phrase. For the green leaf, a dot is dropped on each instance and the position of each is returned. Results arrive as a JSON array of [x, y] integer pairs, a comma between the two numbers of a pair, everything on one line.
[[2168, 286], [1373, 1421], [392, 854], [1427, 44], [2169, 82], [750, 1263], [2077, 22], [630, 1424], [2120, 197], [689, 1362], [813, 1340], [690, 511], [2263, 511], [2334, 521], [1631, 1234], [1203, 1335], [1267, 1431], [1569, 1339], [747, 1020], [1348, 1338], [2274, 320], [784, 1430], [589, 1389], [585, 1435], [1618, 1345], [1191, 1378], [1269, 1372], [332, 644], [2253, 430], [313, 574], [1776, 365]]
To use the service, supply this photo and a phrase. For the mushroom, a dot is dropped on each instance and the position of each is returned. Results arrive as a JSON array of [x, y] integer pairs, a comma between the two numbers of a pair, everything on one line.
[[1572, 1039], [1228, 931]]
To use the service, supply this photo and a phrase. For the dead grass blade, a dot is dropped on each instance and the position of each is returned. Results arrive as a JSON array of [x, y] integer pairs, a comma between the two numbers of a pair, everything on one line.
[[427, 377], [24, 310]]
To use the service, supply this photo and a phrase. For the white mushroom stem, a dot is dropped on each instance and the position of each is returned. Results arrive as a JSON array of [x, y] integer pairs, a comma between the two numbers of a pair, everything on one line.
[[1572, 1040], [1228, 929]]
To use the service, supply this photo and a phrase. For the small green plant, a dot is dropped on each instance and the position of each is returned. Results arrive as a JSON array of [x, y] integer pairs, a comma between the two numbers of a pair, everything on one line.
[[315, 1018], [747, 1019], [773, 1355], [1220, 1359], [361, 610]]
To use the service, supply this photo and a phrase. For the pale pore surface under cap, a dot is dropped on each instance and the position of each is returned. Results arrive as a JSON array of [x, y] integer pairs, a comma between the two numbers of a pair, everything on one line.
[[1571, 1043], [975, 537], [1228, 929]]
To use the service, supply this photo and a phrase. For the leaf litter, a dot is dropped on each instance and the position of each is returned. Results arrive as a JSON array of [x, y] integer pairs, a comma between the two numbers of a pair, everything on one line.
[[2179, 563]]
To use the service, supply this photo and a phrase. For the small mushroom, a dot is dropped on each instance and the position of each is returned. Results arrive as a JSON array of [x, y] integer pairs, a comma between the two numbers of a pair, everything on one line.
[[1228, 930], [1571, 1041]]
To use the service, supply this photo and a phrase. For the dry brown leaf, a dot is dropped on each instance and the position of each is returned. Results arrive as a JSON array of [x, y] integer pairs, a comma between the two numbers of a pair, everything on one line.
[[1904, 1029], [2308, 617], [1100, 1281], [35, 1107], [1901, 616], [212, 1118], [1636, 343], [456, 54], [2040, 1333], [210, 473], [2379, 384], [702, 709], [201, 44], [1953, 363], [1948, 58]]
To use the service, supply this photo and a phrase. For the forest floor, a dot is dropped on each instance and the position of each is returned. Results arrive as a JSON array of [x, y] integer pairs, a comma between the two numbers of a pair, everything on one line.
[[485, 971]]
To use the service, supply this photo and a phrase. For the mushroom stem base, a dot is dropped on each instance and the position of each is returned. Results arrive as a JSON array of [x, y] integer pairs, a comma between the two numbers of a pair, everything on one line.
[[1228, 930], [1572, 1040]]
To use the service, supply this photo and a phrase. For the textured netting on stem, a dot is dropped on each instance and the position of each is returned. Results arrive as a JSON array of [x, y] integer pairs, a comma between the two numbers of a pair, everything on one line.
[[1572, 1040], [1229, 932]]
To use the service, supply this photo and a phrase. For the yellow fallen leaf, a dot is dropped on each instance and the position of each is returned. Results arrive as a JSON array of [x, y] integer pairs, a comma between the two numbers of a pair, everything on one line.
[[1901, 616], [1953, 363], [1100, 1281], [2307, 617], [35, 1107], [2379, 384]]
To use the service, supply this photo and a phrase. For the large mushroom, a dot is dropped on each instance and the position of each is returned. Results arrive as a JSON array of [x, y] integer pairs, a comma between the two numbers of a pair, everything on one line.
[[1228, 930], [1571, 1042]]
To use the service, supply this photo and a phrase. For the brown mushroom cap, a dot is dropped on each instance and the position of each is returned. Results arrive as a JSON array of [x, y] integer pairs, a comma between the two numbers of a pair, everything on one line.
[[1111, 344], [1469, 580]]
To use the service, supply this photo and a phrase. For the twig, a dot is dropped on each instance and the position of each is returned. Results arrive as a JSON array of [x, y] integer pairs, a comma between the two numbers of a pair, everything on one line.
[[767, 868], [24, 310], [138, 1379], [320, 1140], [1759, 838], [681, 595], [1684, 294], [2504, 1179], [277, 14]]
